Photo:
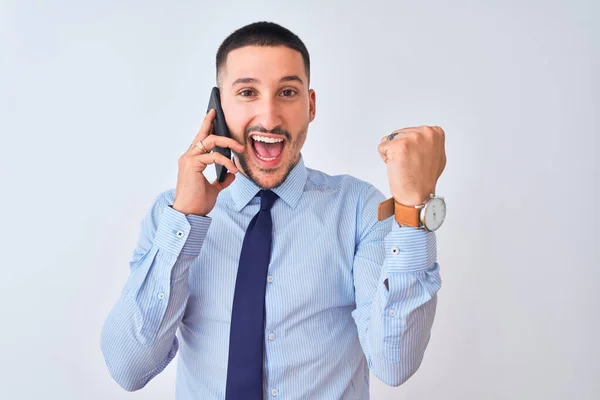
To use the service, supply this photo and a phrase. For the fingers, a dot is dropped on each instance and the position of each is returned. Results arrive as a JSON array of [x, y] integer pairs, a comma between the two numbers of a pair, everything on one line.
[[402, 143], [383, 150], [216, 158], [399, 142], [397, 133], [205, 128], [229, 178], [413, 130], [212, 141]]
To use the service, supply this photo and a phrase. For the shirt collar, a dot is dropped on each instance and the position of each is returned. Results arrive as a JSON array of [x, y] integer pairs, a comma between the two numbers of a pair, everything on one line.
[[243, 189]]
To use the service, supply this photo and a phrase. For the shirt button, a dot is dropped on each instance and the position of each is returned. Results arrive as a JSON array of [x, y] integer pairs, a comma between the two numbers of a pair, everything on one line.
[[180, 234], [161, 296], [395, 250], [392, 313], [274, 392], [271, 336], [270, 279]]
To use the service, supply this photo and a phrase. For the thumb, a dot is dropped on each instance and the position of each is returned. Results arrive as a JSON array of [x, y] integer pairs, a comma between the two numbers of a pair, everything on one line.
[[229, 178], [382, 149]]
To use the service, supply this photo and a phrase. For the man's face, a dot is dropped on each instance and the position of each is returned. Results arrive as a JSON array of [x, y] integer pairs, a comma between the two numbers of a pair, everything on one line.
[[268, 106]]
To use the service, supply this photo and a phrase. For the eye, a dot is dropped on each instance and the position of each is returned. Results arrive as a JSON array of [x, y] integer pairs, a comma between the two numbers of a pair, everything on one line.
[[246, 93], [288, 93]]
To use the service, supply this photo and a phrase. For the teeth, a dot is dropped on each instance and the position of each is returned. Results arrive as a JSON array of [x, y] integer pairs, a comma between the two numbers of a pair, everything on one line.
[[267, 139], [264, 158]]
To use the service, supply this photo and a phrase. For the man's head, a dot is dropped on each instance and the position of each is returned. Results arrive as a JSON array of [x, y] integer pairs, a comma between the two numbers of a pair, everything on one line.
[[263, 73]]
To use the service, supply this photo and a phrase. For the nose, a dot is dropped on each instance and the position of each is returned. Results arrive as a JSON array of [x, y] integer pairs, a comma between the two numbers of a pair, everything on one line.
[[269, 115]]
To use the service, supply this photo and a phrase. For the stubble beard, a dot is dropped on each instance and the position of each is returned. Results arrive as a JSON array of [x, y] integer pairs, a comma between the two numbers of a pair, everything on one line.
[[250, 174]]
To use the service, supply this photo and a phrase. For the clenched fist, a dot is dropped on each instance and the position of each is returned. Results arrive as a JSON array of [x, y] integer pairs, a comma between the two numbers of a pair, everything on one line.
[[415, 159]]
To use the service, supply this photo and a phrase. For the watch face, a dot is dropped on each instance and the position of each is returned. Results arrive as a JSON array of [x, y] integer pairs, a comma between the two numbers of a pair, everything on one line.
[[435, 212]]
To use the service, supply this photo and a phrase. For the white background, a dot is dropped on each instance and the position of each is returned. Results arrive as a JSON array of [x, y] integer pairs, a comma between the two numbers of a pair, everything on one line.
[[99, 99]]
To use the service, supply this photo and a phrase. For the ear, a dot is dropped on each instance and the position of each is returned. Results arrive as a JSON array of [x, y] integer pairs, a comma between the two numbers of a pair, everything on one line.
[[312, 103]]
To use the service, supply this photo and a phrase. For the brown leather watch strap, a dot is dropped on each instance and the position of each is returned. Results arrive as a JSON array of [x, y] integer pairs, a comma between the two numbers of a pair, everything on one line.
[[385, 209], [404, 215]]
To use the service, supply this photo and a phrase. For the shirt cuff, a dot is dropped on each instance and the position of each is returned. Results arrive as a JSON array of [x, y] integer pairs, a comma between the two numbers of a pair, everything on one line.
[[409, 249], [181, 234]]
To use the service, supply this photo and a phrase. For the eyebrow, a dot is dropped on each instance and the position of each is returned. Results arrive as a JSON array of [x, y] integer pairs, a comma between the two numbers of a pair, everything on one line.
[[247, 81], [291, 78]]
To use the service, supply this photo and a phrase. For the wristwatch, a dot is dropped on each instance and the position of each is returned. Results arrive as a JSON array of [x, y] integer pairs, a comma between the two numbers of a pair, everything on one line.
[[428, 216]]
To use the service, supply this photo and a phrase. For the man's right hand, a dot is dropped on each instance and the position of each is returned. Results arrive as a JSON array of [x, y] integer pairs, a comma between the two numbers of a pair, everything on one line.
[[194, 194]]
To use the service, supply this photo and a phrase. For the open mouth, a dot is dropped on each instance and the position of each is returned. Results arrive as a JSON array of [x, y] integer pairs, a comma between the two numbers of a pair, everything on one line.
[[267, 149]]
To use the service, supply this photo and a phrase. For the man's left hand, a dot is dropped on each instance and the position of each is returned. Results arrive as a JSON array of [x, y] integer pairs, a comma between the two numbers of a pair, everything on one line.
[[415, 159]]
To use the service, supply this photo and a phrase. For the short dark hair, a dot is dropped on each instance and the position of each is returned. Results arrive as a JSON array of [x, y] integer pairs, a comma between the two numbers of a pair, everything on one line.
[[262, 34]]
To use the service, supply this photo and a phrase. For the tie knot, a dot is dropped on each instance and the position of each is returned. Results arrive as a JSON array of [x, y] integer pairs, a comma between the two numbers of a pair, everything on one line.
[[267, 198]]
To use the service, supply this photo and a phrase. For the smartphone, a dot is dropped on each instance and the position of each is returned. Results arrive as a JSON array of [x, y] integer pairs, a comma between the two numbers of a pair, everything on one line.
[[219, 128]]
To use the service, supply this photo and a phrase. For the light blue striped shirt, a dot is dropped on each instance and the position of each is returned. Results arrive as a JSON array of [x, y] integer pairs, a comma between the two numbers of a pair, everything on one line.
[[329, 317]]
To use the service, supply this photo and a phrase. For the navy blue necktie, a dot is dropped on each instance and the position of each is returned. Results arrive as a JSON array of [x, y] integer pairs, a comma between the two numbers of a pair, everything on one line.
[[246, 337]]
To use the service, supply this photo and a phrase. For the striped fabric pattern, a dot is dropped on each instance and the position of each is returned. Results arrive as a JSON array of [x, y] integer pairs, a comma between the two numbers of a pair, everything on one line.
[[329, 317]]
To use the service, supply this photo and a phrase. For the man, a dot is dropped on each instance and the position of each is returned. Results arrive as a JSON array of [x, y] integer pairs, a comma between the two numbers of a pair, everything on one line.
[[280, 281]]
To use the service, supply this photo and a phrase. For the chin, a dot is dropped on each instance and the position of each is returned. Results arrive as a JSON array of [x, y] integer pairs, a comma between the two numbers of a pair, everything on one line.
[[266, 178], [270, 178]]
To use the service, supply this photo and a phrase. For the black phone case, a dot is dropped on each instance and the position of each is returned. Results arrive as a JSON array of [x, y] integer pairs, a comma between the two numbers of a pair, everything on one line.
[[220, 129]]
